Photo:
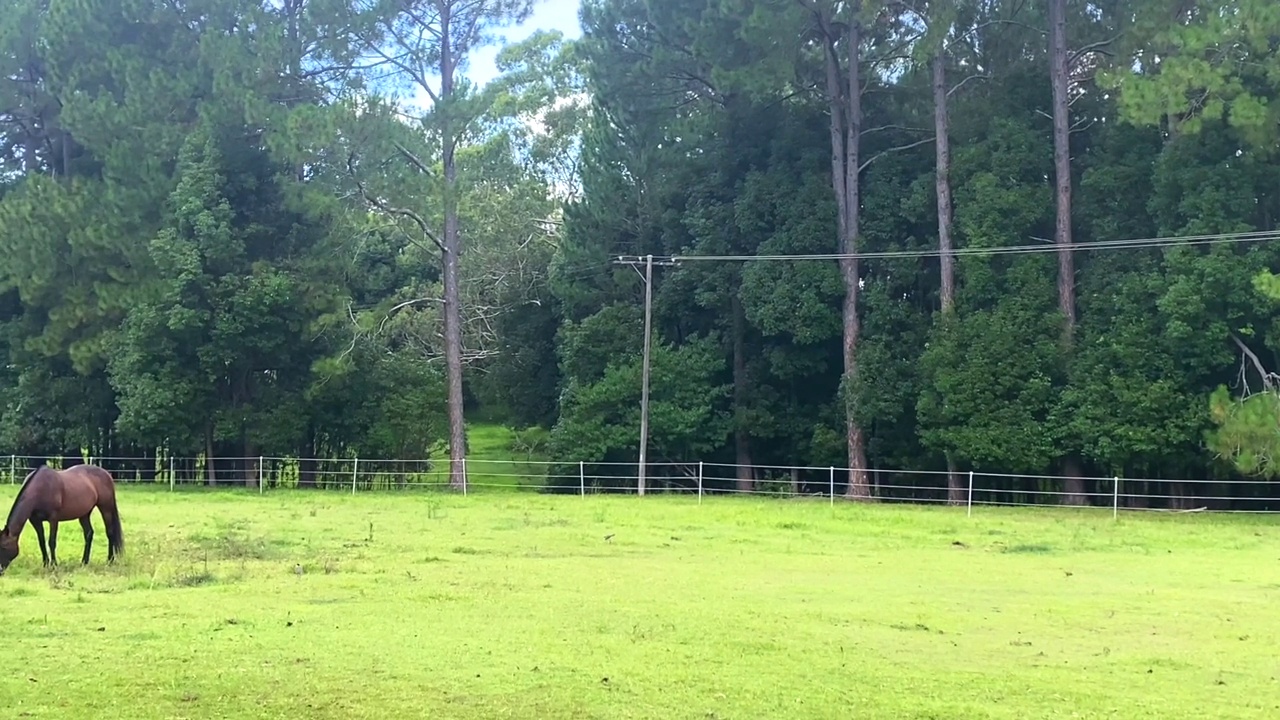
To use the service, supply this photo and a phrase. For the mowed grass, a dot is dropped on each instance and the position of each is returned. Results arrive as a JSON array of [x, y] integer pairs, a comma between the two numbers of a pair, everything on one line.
[[323, 605], [494, 459], [498, 457]]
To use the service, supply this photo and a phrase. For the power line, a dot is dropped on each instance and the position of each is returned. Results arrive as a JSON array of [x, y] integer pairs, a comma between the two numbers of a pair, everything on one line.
[[1044, 247]]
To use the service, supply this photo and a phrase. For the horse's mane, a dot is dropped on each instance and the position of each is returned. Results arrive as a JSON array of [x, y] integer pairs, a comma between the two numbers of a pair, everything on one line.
[[26, 482]]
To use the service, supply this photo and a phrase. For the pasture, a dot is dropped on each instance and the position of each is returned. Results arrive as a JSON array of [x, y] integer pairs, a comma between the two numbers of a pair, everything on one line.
[[321, 605]]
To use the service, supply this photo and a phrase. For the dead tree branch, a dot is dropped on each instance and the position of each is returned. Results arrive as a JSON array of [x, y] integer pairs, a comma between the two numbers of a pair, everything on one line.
[[413, 159], [1093, 47], [899, 148], [1268, 378], [962, 83], [390, 209]]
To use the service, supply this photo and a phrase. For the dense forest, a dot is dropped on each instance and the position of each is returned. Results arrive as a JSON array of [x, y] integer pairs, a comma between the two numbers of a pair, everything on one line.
[[940, 235]]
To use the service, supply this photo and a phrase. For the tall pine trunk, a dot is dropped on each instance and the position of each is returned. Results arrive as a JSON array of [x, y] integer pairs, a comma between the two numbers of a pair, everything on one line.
[[250, 464], [845, 98], [744, 470], [942, 145], [452, 249], [209, 463], [1058, 71], [306, 461], [293, 14]]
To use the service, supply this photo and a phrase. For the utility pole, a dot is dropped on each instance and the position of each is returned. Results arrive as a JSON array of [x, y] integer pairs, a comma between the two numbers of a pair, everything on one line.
[[644, 382]]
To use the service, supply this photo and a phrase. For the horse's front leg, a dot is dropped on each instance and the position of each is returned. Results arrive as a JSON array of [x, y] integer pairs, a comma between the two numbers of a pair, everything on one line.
[[44, 551], [53, 542]]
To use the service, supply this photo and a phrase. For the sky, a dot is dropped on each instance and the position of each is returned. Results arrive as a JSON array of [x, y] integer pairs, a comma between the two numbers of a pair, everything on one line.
[[559, 15]]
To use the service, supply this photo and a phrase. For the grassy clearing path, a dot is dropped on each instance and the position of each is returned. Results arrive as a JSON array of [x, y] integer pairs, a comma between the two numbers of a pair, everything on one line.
[[295, 604]]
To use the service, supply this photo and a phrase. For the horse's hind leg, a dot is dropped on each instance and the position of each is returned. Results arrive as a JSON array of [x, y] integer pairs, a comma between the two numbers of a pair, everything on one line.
[[53, 542], [87, 526], [115, 539], [44, 551]]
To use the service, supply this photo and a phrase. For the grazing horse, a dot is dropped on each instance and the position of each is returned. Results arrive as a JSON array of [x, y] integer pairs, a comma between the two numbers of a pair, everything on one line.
[[55, 496]]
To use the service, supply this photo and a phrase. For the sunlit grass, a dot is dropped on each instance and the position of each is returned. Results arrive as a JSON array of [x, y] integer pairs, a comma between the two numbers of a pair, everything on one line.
[[498, 458], [323, 605]]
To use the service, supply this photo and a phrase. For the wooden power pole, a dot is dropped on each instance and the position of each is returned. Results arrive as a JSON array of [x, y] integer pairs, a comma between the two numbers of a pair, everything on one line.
[[648, 262]]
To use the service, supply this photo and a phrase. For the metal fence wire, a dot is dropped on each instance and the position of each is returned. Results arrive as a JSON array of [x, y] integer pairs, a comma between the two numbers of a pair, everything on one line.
[[354, 475]]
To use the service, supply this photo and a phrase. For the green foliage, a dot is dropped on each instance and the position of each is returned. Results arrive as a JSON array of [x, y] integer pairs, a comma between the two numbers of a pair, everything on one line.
[[70, 261], [221, 224], [223, 332], [994, 378], [1209, 62], [687, 407], [1246, 432], [799, 301], [1128, 404]]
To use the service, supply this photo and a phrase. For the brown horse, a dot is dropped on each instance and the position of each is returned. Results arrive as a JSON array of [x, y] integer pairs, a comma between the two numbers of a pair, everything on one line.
[[55, 496]]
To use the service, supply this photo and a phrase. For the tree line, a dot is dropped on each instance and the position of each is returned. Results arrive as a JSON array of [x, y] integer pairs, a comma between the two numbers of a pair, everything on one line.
[[234, 228], [942, 235]]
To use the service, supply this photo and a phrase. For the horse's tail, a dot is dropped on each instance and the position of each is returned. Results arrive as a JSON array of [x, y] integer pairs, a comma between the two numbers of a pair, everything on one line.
[[115, 535], [107, 495]]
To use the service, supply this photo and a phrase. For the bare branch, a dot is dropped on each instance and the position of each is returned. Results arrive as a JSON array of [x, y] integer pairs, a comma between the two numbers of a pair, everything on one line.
[[355, 336], [899, 148], [879, 128], [1078, 95], [402, 305], [1242, 377], [805, 90], [413, 159], [895, 52], [887, 59], [429, 25], [416, 74], [961, 84], [391, 210], [1093, 47], [1024, 26], [1082, 124], [980, 26], [1268, 378]]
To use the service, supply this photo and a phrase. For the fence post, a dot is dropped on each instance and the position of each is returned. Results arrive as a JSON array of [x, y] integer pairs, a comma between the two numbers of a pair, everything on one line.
[[969, 511], [355, 472], [173, 475], [13, 469], [1115, 499], [832, 479], [464, 476], [699, 482], [260, 475], [582, 479]]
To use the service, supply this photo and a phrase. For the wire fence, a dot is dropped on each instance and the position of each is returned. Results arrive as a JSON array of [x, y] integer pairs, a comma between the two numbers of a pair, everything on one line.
[[354, 475]]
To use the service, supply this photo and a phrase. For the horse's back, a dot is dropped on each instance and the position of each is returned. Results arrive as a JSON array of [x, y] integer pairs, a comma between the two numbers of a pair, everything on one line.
[[85, 487], [98, 477]]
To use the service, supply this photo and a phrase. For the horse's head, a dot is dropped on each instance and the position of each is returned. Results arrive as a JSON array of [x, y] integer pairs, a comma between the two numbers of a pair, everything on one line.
[[8, 548]]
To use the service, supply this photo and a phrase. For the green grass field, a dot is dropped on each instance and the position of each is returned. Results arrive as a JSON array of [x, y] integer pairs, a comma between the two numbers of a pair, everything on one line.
[[515, 605]]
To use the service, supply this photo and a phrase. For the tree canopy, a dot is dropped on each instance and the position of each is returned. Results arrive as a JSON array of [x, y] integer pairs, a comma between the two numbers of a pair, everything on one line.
[[940, 235]]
